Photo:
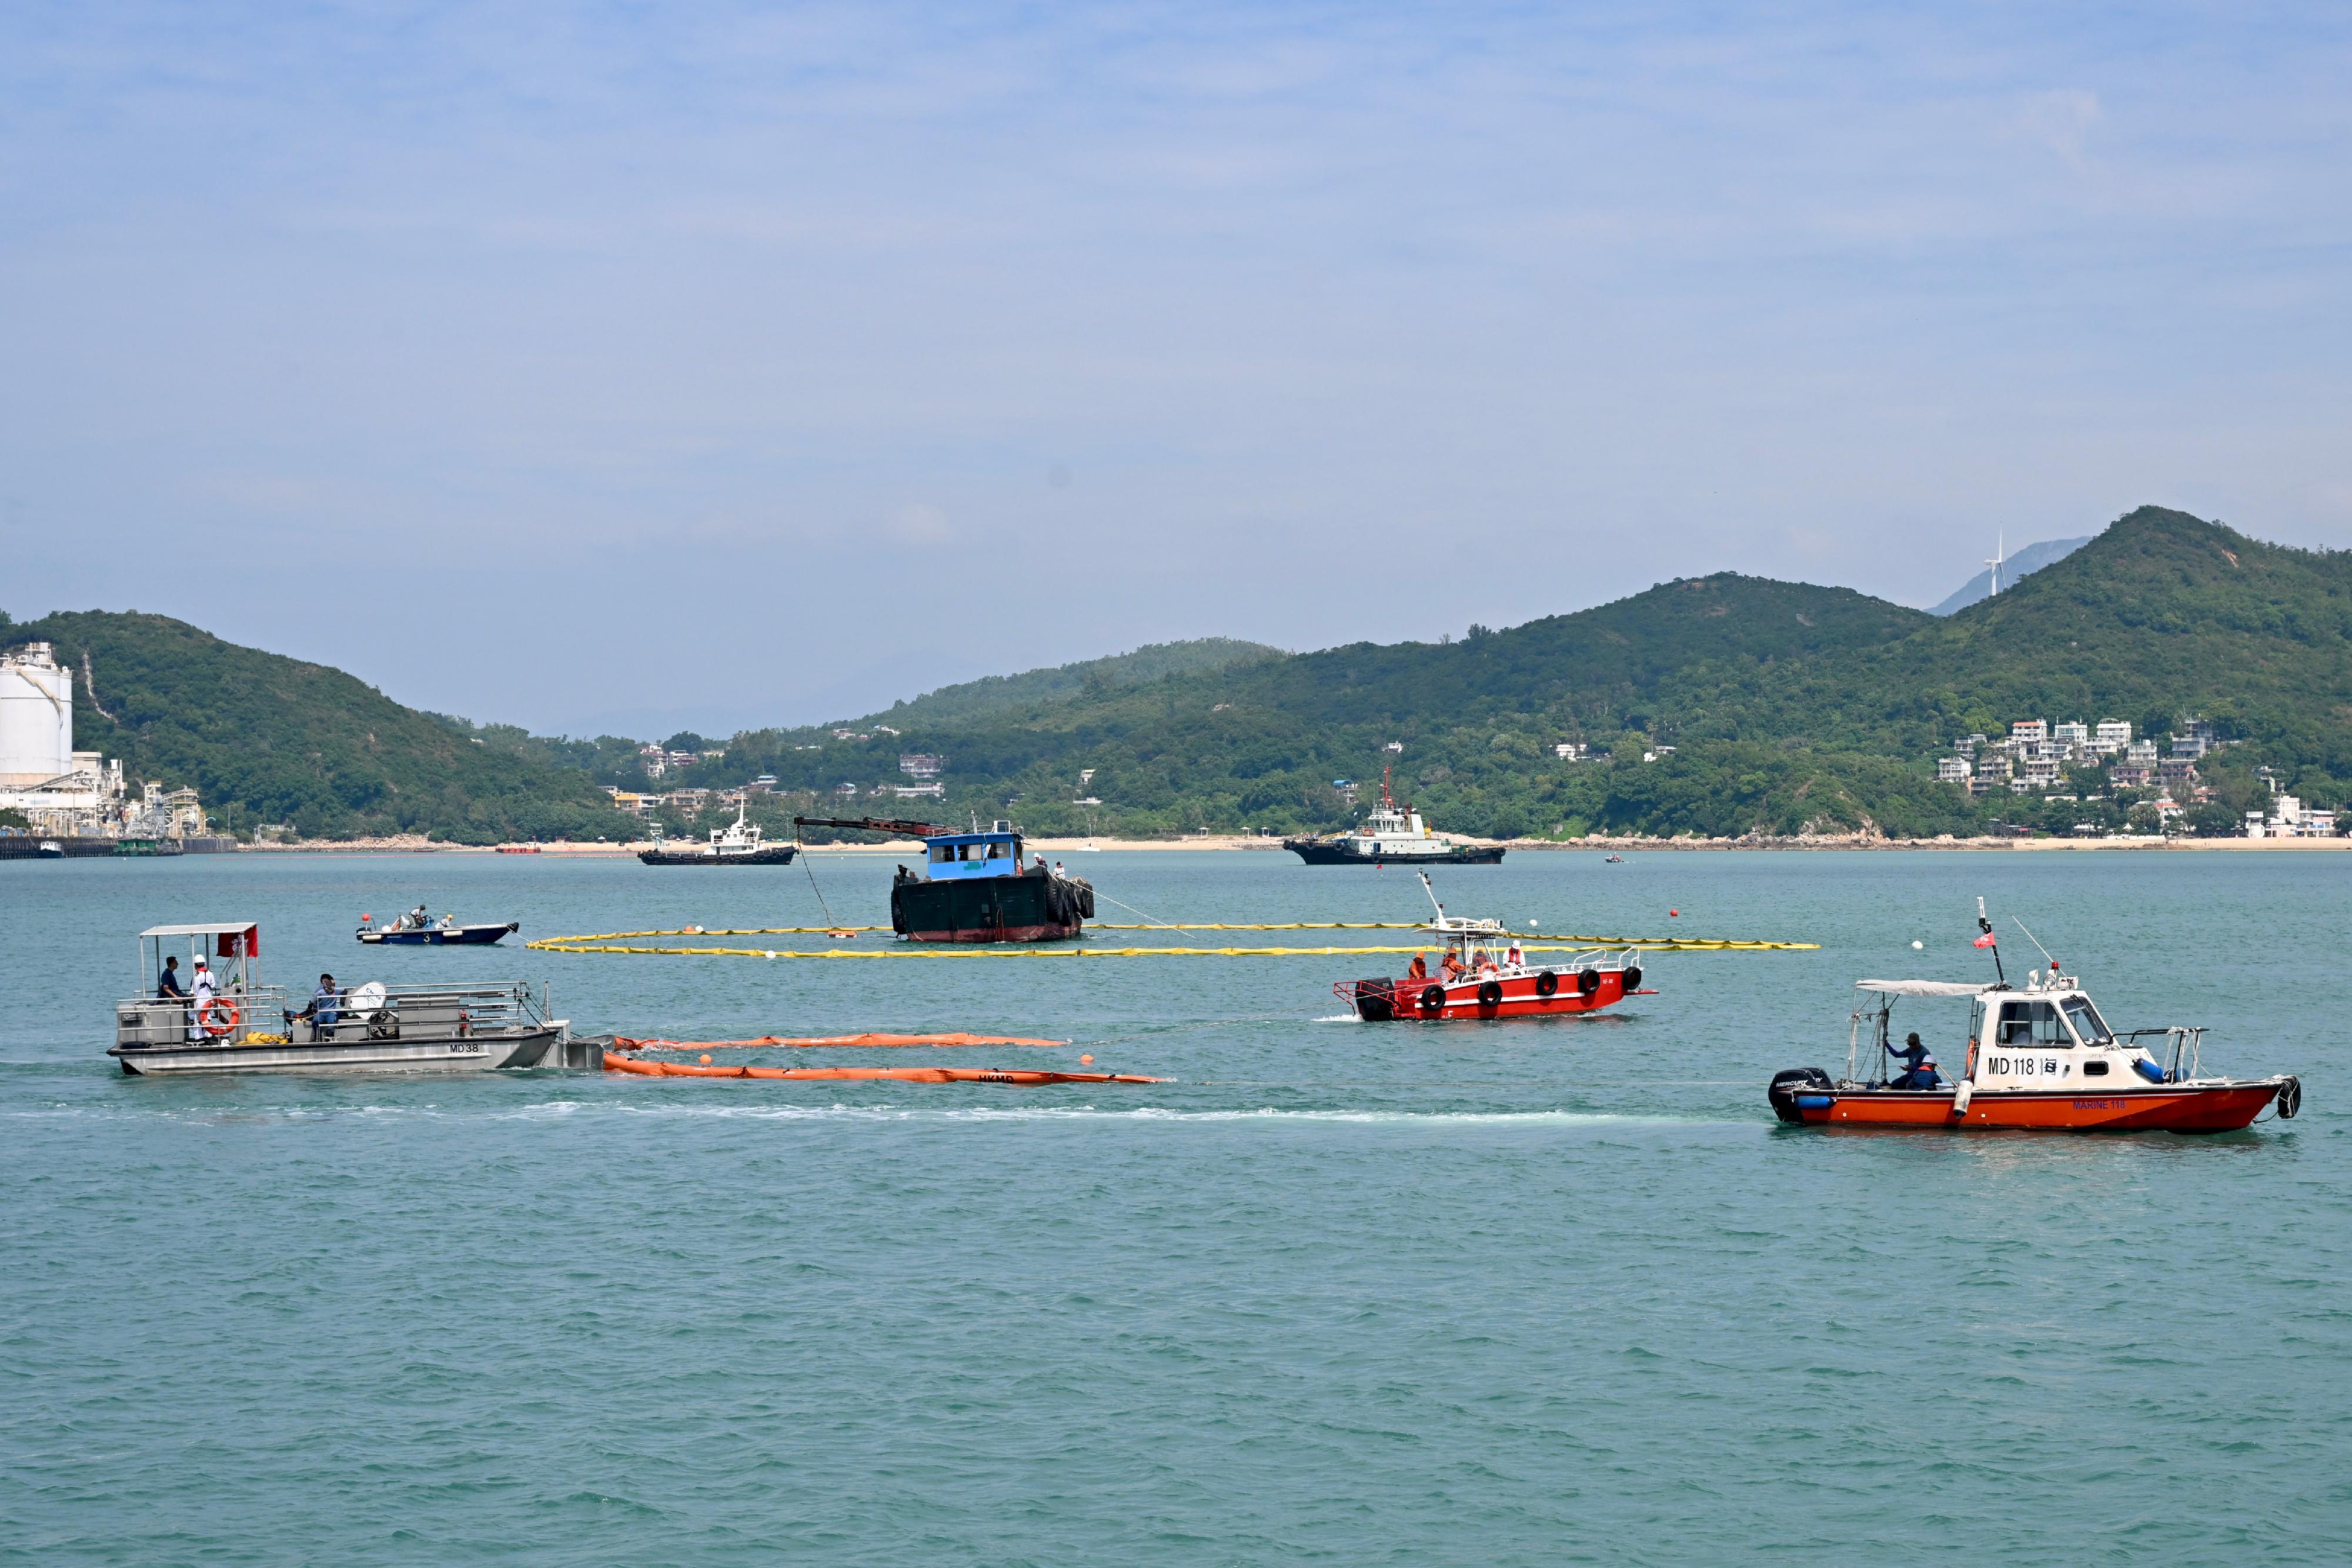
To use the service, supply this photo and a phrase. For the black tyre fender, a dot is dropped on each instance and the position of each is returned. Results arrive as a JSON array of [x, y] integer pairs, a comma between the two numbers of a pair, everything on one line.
[[1587, 981], [1432, 997], [1632, 978], [2289, 1099], [1546, 983], [1490, 993]]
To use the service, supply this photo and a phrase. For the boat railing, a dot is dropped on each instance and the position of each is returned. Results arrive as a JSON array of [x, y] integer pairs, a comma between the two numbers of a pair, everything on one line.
[[150, 1019], [2179, 1055], [509, 1009], [422, 1010]]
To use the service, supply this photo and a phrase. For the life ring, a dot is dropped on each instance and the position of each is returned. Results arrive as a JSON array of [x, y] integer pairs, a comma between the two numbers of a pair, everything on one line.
[[1432, 997], [1587, 981], [1546, 983], [207, 1016], [1632, 978], [1490, 993]]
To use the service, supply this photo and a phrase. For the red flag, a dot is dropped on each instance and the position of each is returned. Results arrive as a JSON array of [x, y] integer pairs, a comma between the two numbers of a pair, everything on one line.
[[1985, 941]]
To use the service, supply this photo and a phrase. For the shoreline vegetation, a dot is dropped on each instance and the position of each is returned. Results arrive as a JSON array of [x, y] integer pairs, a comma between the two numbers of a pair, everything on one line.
[[1055, 847]]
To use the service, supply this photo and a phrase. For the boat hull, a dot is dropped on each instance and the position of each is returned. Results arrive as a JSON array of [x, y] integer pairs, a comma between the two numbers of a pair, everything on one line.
[[1026, 908], [2170, 1108], [432, 936], [766, 854], [1519, 995], [1328, 852], [446, 1053]]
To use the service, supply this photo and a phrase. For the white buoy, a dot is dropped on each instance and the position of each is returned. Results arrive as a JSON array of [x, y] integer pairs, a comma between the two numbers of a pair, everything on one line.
[[1918, 946]]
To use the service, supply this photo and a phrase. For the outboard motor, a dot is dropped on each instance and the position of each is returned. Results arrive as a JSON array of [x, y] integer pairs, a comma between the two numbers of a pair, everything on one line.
[[1795, 1080]]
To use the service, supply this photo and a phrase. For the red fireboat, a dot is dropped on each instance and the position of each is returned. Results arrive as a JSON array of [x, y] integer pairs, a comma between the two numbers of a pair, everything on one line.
[[1485, 973], [2039, 1056]]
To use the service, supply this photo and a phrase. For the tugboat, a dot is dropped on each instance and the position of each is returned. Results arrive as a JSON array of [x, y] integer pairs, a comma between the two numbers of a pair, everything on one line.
[[736, 845], [412, 930], [1483, 975], [2041, 1058], [1395, 834], [974, 888], [372, 1028]]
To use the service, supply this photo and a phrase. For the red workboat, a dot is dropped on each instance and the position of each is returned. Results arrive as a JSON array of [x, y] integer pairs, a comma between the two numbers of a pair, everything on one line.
[[2041, 1056], [1483, 973]]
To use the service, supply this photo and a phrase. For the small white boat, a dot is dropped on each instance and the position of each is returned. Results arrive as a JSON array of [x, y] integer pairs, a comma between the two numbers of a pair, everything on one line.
[[246, 1026]]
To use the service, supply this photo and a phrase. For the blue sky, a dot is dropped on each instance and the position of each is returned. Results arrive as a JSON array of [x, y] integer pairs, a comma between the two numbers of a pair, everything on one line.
[[641, 367]]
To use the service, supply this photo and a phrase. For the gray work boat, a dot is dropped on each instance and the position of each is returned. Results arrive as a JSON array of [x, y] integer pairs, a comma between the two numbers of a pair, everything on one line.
[[246, 1026]]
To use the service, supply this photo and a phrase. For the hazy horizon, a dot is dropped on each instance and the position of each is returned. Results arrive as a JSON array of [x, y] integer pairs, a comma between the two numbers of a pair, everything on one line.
[[605, 369]]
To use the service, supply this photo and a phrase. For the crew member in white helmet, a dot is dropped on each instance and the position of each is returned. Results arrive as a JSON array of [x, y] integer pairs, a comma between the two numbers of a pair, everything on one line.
[[200, 993]]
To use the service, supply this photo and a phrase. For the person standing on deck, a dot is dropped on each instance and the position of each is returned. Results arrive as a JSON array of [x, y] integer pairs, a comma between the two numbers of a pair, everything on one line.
[[167, 984], [202, 995], [325, 1010], [1911, 1054], [1418, 969]]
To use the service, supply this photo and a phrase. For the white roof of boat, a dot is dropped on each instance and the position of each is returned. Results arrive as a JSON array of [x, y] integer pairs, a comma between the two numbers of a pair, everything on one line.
[[1922, 987], [233, 929]]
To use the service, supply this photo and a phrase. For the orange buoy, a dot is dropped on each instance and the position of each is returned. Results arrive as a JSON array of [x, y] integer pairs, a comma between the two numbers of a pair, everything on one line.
[[1085, 1061], [706, 1059]]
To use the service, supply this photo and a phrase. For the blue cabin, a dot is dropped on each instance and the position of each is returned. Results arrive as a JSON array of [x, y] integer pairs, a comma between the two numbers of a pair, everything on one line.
[[996, 852]]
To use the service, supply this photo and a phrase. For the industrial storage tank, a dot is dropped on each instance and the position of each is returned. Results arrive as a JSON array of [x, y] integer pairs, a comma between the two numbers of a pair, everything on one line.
[[36, 718]]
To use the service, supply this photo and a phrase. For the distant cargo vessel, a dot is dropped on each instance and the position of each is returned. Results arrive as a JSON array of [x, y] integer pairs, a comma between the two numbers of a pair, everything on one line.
[[739, 843], [1391, 835]]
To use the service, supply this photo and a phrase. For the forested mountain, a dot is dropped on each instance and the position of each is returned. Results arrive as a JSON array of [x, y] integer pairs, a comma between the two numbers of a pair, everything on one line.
[[1786, 705], [2021, 565], [271, 739], [1033, 689], [1716, 704]]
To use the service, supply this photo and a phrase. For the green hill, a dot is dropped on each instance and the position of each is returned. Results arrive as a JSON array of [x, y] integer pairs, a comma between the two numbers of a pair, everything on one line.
[[271, 739], [1787, 706], [1033, 689]]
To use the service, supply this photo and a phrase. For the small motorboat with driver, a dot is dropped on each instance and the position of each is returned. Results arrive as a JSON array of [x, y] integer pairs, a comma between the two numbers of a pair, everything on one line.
[[416, 929], [1483, 973], [2041, 1056]]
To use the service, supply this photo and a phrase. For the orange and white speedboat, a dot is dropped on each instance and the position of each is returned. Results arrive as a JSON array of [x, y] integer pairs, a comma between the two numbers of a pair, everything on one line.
[[2037, 1056], [1483, 973]]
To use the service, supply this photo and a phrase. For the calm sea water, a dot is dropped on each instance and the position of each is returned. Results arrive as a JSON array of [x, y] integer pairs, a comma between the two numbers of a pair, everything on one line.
[[1524, 1292]]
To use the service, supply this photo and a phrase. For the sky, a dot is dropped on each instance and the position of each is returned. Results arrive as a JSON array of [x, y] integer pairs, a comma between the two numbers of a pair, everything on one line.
[[635, 368]]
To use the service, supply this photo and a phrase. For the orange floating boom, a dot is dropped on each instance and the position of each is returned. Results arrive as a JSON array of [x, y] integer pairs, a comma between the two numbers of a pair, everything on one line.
[[626, 1044], [614, 1063]]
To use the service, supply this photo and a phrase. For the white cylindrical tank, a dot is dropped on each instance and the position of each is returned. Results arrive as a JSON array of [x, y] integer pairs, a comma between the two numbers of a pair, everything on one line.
[[35, 716]]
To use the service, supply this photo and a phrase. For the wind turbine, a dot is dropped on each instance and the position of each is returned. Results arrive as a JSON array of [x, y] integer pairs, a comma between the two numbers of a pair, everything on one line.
[[2000, 550]]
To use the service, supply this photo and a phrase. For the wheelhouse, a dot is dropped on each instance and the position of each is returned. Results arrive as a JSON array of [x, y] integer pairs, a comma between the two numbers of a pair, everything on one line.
[[951, 856]]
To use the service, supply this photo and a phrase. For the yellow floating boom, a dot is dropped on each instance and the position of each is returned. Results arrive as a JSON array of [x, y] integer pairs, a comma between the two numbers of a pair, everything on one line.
[[597, 945]]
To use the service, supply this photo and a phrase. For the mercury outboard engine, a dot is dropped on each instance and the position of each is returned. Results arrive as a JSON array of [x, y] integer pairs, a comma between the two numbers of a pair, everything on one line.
[[1789, 1084]]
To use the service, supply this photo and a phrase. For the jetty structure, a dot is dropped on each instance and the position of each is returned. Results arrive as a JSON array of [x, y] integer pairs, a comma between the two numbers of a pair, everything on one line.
[[79, 803]]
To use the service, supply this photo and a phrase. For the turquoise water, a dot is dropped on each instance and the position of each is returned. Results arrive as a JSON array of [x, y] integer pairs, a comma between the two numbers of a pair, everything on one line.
[[1523, 1292]]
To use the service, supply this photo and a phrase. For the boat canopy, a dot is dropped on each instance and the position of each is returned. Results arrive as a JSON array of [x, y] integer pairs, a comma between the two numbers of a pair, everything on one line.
[[1922, 987], [237, 936]]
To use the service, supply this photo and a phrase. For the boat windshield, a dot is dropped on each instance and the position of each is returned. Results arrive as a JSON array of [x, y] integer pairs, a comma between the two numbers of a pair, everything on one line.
[[2031, 1023], [2087, 1021]]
